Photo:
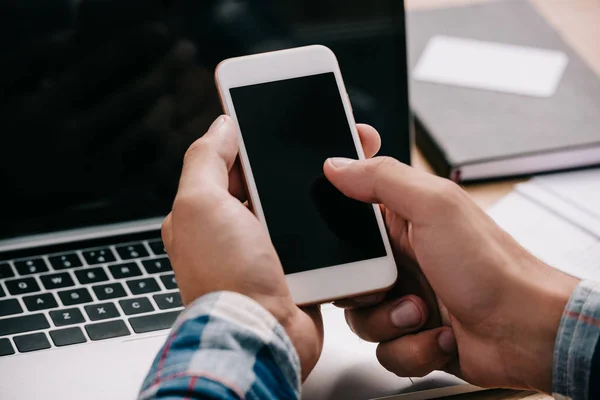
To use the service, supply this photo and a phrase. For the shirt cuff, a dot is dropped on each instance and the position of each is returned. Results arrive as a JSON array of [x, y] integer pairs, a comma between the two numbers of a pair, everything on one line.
[[576, 340], [231, 340]]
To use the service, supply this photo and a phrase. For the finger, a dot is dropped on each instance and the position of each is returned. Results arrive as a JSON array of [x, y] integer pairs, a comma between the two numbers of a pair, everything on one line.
[[388, 320], [419, 354], [314, 313], [406, 191], [398, 229], [369, 139], [209, 159], [166, 232], [310, 326], [362, 301], [236, 182]]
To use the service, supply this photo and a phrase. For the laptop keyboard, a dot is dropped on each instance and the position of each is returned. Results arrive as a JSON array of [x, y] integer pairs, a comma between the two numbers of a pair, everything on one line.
[[86, 294]]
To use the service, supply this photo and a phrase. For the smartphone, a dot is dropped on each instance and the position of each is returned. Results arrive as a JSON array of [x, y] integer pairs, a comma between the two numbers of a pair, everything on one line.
[[293, 113]]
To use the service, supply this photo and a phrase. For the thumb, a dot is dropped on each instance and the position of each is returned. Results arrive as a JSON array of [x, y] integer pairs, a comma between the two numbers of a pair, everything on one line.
[[208, 160], [384, 180]]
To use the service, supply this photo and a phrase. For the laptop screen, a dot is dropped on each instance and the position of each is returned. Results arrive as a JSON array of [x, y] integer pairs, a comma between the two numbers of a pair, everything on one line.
[[99, 99]]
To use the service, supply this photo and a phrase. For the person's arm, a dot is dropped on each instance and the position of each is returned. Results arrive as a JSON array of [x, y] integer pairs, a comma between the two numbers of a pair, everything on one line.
[[225, 346], [471, 300], [577, 351]]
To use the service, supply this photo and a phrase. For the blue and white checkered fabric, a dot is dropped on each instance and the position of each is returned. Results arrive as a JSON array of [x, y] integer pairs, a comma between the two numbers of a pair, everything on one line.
[[225, 346], [577, 349]]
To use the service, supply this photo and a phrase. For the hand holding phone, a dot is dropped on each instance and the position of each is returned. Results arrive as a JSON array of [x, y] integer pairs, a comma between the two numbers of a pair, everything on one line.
[[216, 244], [293, 113]]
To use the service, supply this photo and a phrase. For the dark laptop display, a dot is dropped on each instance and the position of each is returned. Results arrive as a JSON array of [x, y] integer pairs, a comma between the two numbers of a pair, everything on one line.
[[99, 99]]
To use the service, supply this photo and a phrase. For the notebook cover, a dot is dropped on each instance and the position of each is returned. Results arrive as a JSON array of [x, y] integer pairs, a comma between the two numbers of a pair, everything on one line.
[[458, 126]]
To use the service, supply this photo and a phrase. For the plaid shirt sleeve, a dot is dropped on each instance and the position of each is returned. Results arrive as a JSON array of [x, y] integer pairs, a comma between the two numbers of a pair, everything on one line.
[[577, 350], [225, 346]]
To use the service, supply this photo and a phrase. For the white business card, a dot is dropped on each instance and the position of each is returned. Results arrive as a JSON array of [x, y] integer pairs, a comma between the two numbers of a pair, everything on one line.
[[491, 66]]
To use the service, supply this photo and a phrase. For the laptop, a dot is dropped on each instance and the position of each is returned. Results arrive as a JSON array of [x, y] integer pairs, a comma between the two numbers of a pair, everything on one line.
[[99, 100]]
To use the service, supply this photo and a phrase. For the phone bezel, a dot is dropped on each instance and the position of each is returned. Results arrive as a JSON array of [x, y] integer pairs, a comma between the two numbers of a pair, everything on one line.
[[324, 284]]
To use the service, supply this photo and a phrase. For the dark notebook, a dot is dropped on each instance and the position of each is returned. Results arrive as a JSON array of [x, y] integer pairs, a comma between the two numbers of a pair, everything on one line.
[[473, 134]]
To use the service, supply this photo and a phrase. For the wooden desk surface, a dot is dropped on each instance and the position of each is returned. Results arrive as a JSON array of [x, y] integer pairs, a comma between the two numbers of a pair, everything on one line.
[[577, 22]]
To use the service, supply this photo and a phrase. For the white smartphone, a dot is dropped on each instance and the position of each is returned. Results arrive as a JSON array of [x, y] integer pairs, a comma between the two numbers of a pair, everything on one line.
[[293, 113]]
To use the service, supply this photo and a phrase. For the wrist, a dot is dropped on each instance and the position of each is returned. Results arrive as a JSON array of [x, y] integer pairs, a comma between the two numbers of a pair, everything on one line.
[[544, 294]]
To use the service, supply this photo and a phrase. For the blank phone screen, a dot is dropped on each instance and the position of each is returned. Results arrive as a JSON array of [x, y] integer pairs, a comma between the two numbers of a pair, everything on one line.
[[290, 127]]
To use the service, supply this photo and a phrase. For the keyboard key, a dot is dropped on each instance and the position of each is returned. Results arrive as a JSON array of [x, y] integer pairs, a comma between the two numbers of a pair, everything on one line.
[[91, 275], [126, 270], [109, 291], [6, 271], [67, 336], [157, 247], [107, 330], [157, 266], [65, 261], [68, 316], [32, 266], [27, 323], [10, 307], [6, 349], [22, 286], [33, 342], [39, 302], [75, 296], [99, 256], [2, 294], [169, 281], [136, 306], [132, 251], [141, 286], [57, 281], [168, 300], [153, 322], [98, 312]]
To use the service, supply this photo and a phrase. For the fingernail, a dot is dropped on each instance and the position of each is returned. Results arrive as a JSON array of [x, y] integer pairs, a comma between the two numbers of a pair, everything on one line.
[[218, 122], [447, 342], [369, 299], [406, 315], [339, 162]]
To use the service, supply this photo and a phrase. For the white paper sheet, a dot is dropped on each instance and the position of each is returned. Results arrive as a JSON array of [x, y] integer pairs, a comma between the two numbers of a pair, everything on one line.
[[580, 188], [492, 66], [554, 230]]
